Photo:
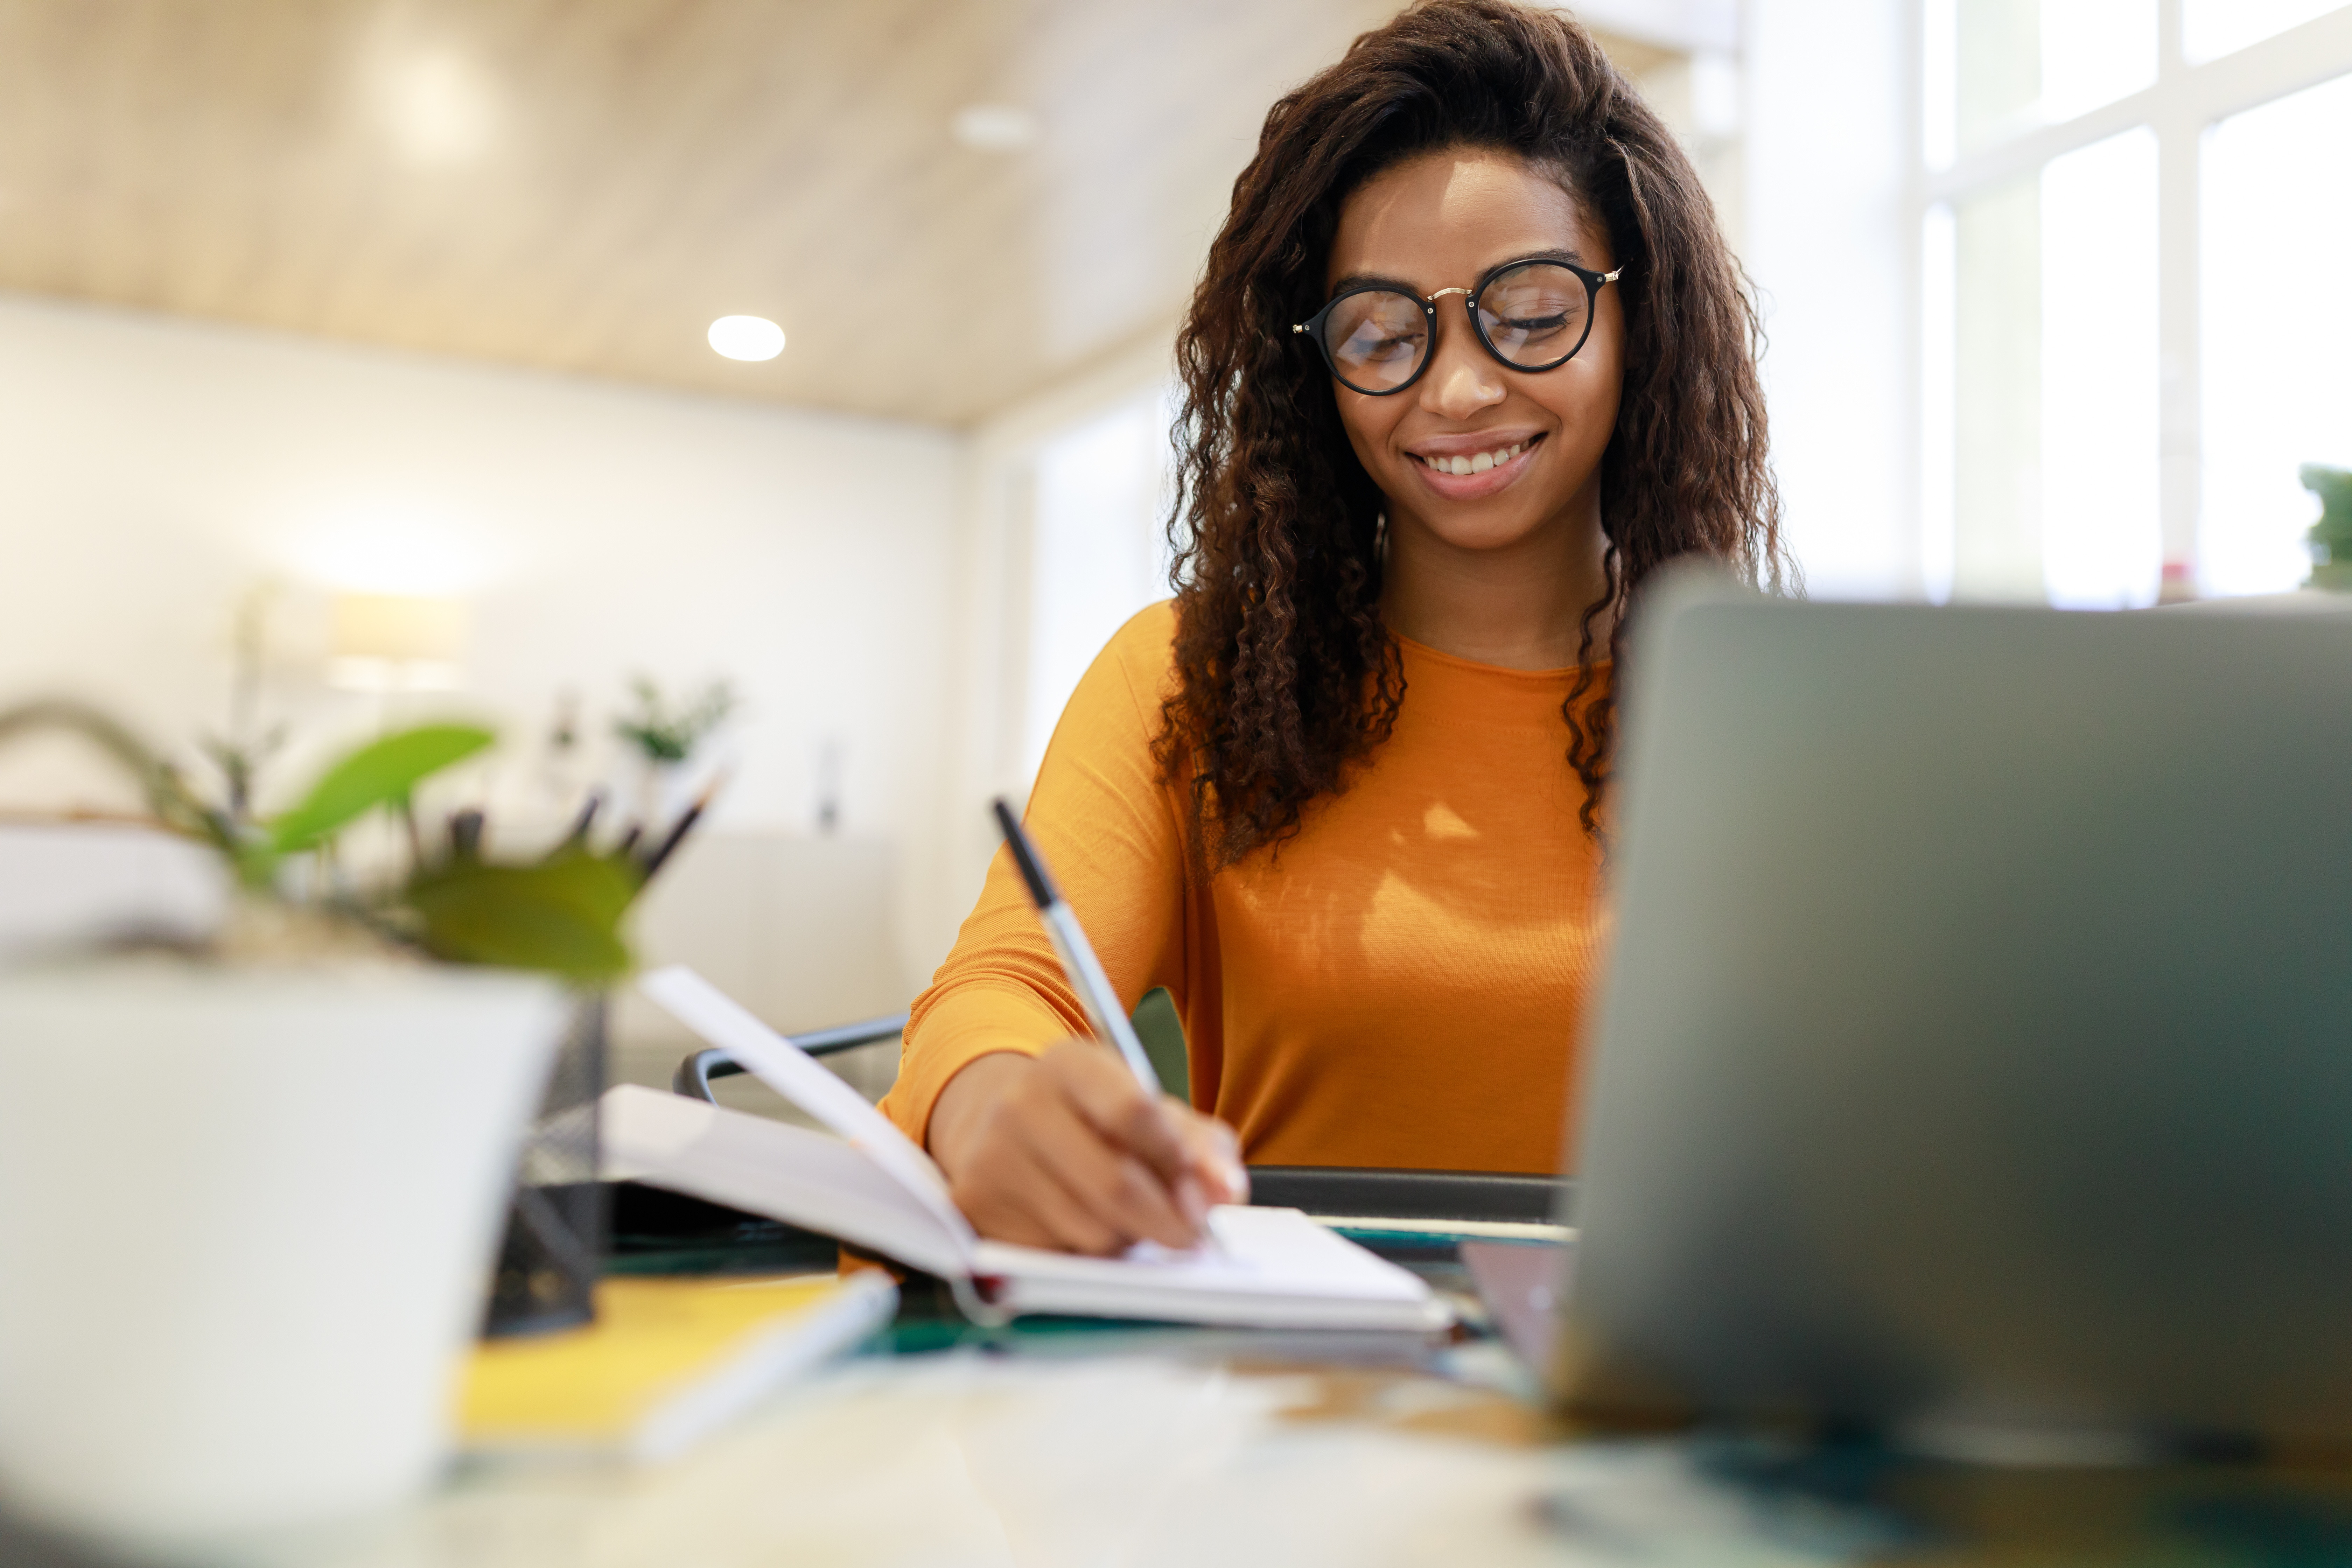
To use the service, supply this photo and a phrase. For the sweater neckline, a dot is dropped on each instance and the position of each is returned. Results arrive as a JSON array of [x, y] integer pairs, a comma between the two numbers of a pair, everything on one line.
[[1555, 677]]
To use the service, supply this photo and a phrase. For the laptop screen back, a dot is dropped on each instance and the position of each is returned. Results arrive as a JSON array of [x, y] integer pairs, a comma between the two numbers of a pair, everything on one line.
[[1977, 1043]]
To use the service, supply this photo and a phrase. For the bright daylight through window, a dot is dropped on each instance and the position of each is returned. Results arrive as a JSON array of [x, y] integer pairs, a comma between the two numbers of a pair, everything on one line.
[[2134, 328]]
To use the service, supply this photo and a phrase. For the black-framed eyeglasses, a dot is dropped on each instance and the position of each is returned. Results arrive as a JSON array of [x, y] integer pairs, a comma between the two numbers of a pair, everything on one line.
[[1531, 315]]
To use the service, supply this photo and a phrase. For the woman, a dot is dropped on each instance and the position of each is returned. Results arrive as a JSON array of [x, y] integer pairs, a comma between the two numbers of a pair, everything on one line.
[[1468, 363]]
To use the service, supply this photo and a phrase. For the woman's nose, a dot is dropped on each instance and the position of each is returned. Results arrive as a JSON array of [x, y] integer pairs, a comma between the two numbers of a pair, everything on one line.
[[1463, 378]]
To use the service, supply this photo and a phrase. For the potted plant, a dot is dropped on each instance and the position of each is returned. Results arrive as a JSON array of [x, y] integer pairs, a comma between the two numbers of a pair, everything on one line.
[[250, 1190], [664, 735]]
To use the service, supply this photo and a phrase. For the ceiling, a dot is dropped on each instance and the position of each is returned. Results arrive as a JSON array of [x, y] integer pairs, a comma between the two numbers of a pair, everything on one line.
[[583, 186]]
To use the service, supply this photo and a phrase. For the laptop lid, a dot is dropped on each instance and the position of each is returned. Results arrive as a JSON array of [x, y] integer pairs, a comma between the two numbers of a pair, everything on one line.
[[1976, 1045]]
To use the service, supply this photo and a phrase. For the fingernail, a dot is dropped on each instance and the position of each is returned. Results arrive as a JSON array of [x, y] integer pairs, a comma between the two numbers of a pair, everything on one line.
[[1192, 1202], [1237, 1181]]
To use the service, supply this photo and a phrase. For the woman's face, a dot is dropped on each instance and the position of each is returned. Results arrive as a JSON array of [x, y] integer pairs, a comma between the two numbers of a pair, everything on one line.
[[1444, 220]]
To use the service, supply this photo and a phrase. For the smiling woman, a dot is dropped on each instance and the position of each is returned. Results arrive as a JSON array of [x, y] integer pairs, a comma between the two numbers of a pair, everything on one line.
[[1484, 471], [1469, 362]]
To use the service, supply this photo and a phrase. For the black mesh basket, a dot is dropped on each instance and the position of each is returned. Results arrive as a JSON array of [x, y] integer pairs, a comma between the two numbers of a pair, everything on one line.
[[555, 1244]]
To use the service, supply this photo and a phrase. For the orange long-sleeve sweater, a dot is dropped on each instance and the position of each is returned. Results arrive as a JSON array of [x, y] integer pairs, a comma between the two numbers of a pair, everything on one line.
[[1399, 985]]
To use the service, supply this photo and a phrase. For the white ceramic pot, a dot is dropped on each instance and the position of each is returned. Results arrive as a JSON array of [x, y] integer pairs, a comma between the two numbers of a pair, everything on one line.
[[246, 1217]]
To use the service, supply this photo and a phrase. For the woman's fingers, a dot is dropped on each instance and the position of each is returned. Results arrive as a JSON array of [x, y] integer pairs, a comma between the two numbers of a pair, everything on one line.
[[1118, 1192], [1068, 1221], [1196, 1158], [1068, 1149], [1104, 1155], [1034, 1167], [1106, 1092], [1006, 1191], [1212, 1156]]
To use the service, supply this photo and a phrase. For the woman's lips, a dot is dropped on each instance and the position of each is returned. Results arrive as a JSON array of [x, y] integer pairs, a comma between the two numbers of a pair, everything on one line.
[[1471, 487]]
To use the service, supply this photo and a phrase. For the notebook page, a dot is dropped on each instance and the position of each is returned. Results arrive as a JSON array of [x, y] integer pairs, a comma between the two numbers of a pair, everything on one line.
[[801, 1079], [1260, 1251], [766, 1167]]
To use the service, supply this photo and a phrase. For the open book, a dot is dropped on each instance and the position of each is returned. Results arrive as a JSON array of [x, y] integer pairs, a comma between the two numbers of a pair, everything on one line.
[[872, 1187]]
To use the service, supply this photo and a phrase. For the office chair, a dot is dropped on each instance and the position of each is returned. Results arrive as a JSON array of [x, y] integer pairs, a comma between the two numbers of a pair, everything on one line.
[[694, 1074]]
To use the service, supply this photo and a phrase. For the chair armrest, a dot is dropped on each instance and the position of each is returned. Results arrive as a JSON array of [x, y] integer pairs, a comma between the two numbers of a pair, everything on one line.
[[694, 1074]]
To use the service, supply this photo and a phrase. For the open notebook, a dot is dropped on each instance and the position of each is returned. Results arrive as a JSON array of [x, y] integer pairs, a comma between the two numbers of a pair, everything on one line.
[[873, 1187]]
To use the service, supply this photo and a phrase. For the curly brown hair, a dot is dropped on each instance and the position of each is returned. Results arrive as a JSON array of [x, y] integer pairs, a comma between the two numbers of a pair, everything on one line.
[[1288, 677]]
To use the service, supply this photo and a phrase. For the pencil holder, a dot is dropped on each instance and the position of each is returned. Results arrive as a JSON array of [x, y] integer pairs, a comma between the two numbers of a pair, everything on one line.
[[555, 1244]]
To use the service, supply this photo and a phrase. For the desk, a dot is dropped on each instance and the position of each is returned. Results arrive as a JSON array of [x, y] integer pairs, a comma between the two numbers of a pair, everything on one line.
[[1153, 1462], [968, 1457], [1151, 1448], [1137, 1449], [1109, 1453]]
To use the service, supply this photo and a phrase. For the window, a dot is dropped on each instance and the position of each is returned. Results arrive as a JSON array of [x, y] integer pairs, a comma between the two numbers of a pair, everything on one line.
[[1097, 550], [2276, 303], [2133, 322]]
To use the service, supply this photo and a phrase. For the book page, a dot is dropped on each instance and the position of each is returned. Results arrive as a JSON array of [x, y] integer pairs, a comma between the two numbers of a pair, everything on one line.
[[770, 1168], [1259, 1251], [803, 1079]]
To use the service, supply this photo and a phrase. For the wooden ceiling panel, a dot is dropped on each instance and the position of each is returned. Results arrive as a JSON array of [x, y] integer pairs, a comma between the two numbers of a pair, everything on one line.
[[583, 186]]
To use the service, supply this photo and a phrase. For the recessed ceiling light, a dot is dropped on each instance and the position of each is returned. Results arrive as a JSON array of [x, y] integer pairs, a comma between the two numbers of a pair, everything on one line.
[[996, 127], [440, 108], [747, 337]]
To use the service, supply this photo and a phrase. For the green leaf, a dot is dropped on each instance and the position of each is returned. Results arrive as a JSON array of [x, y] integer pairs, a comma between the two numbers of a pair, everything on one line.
[[563, 916], [380, 773]]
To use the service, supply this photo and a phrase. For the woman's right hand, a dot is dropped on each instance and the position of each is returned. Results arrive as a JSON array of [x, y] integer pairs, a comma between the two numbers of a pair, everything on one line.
[[1067, 1150]]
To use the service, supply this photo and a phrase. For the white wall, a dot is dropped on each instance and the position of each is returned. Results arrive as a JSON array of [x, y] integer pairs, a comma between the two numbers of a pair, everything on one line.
[[1001, 596], [1829, 152], [152, 470]]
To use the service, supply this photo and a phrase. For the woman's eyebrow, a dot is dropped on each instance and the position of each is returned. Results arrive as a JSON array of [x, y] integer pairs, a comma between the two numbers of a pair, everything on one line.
[[1567, 254], [1381, 281], [1372, 281]]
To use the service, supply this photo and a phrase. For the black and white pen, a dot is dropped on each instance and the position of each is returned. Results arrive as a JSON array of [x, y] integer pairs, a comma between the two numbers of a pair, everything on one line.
[[1079, 965]]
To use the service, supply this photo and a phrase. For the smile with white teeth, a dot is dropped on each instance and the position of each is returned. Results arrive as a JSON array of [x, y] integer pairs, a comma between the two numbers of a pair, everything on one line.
[[1477, 464]]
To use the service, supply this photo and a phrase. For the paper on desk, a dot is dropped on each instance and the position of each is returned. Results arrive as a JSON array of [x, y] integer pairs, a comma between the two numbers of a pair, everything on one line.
[[801, 1079]]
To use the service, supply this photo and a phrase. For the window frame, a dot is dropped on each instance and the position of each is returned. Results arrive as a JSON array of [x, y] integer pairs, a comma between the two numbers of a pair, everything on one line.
[[2182, 106]]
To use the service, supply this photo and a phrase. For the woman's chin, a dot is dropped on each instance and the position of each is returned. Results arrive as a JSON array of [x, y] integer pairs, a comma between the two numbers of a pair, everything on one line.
[[1481, 530]]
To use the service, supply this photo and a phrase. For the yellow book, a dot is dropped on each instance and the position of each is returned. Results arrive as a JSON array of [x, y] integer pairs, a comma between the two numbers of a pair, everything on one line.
[[666, 1361]]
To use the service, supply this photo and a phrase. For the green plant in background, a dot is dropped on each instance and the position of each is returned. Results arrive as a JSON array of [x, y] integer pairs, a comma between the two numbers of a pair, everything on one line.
[[560, 913], [665, 735], [2331, 536]]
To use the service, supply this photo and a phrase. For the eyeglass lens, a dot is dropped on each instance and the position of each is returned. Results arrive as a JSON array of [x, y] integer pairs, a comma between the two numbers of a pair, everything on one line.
[[1377, 339], [1533, 317]]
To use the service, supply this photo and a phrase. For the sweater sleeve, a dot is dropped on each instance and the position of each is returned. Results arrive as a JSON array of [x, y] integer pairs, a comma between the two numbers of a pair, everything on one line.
[[1106, 826]]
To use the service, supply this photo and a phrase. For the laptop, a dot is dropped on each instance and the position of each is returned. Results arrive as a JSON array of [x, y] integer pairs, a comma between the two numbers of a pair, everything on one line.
[[1974, 1059]]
